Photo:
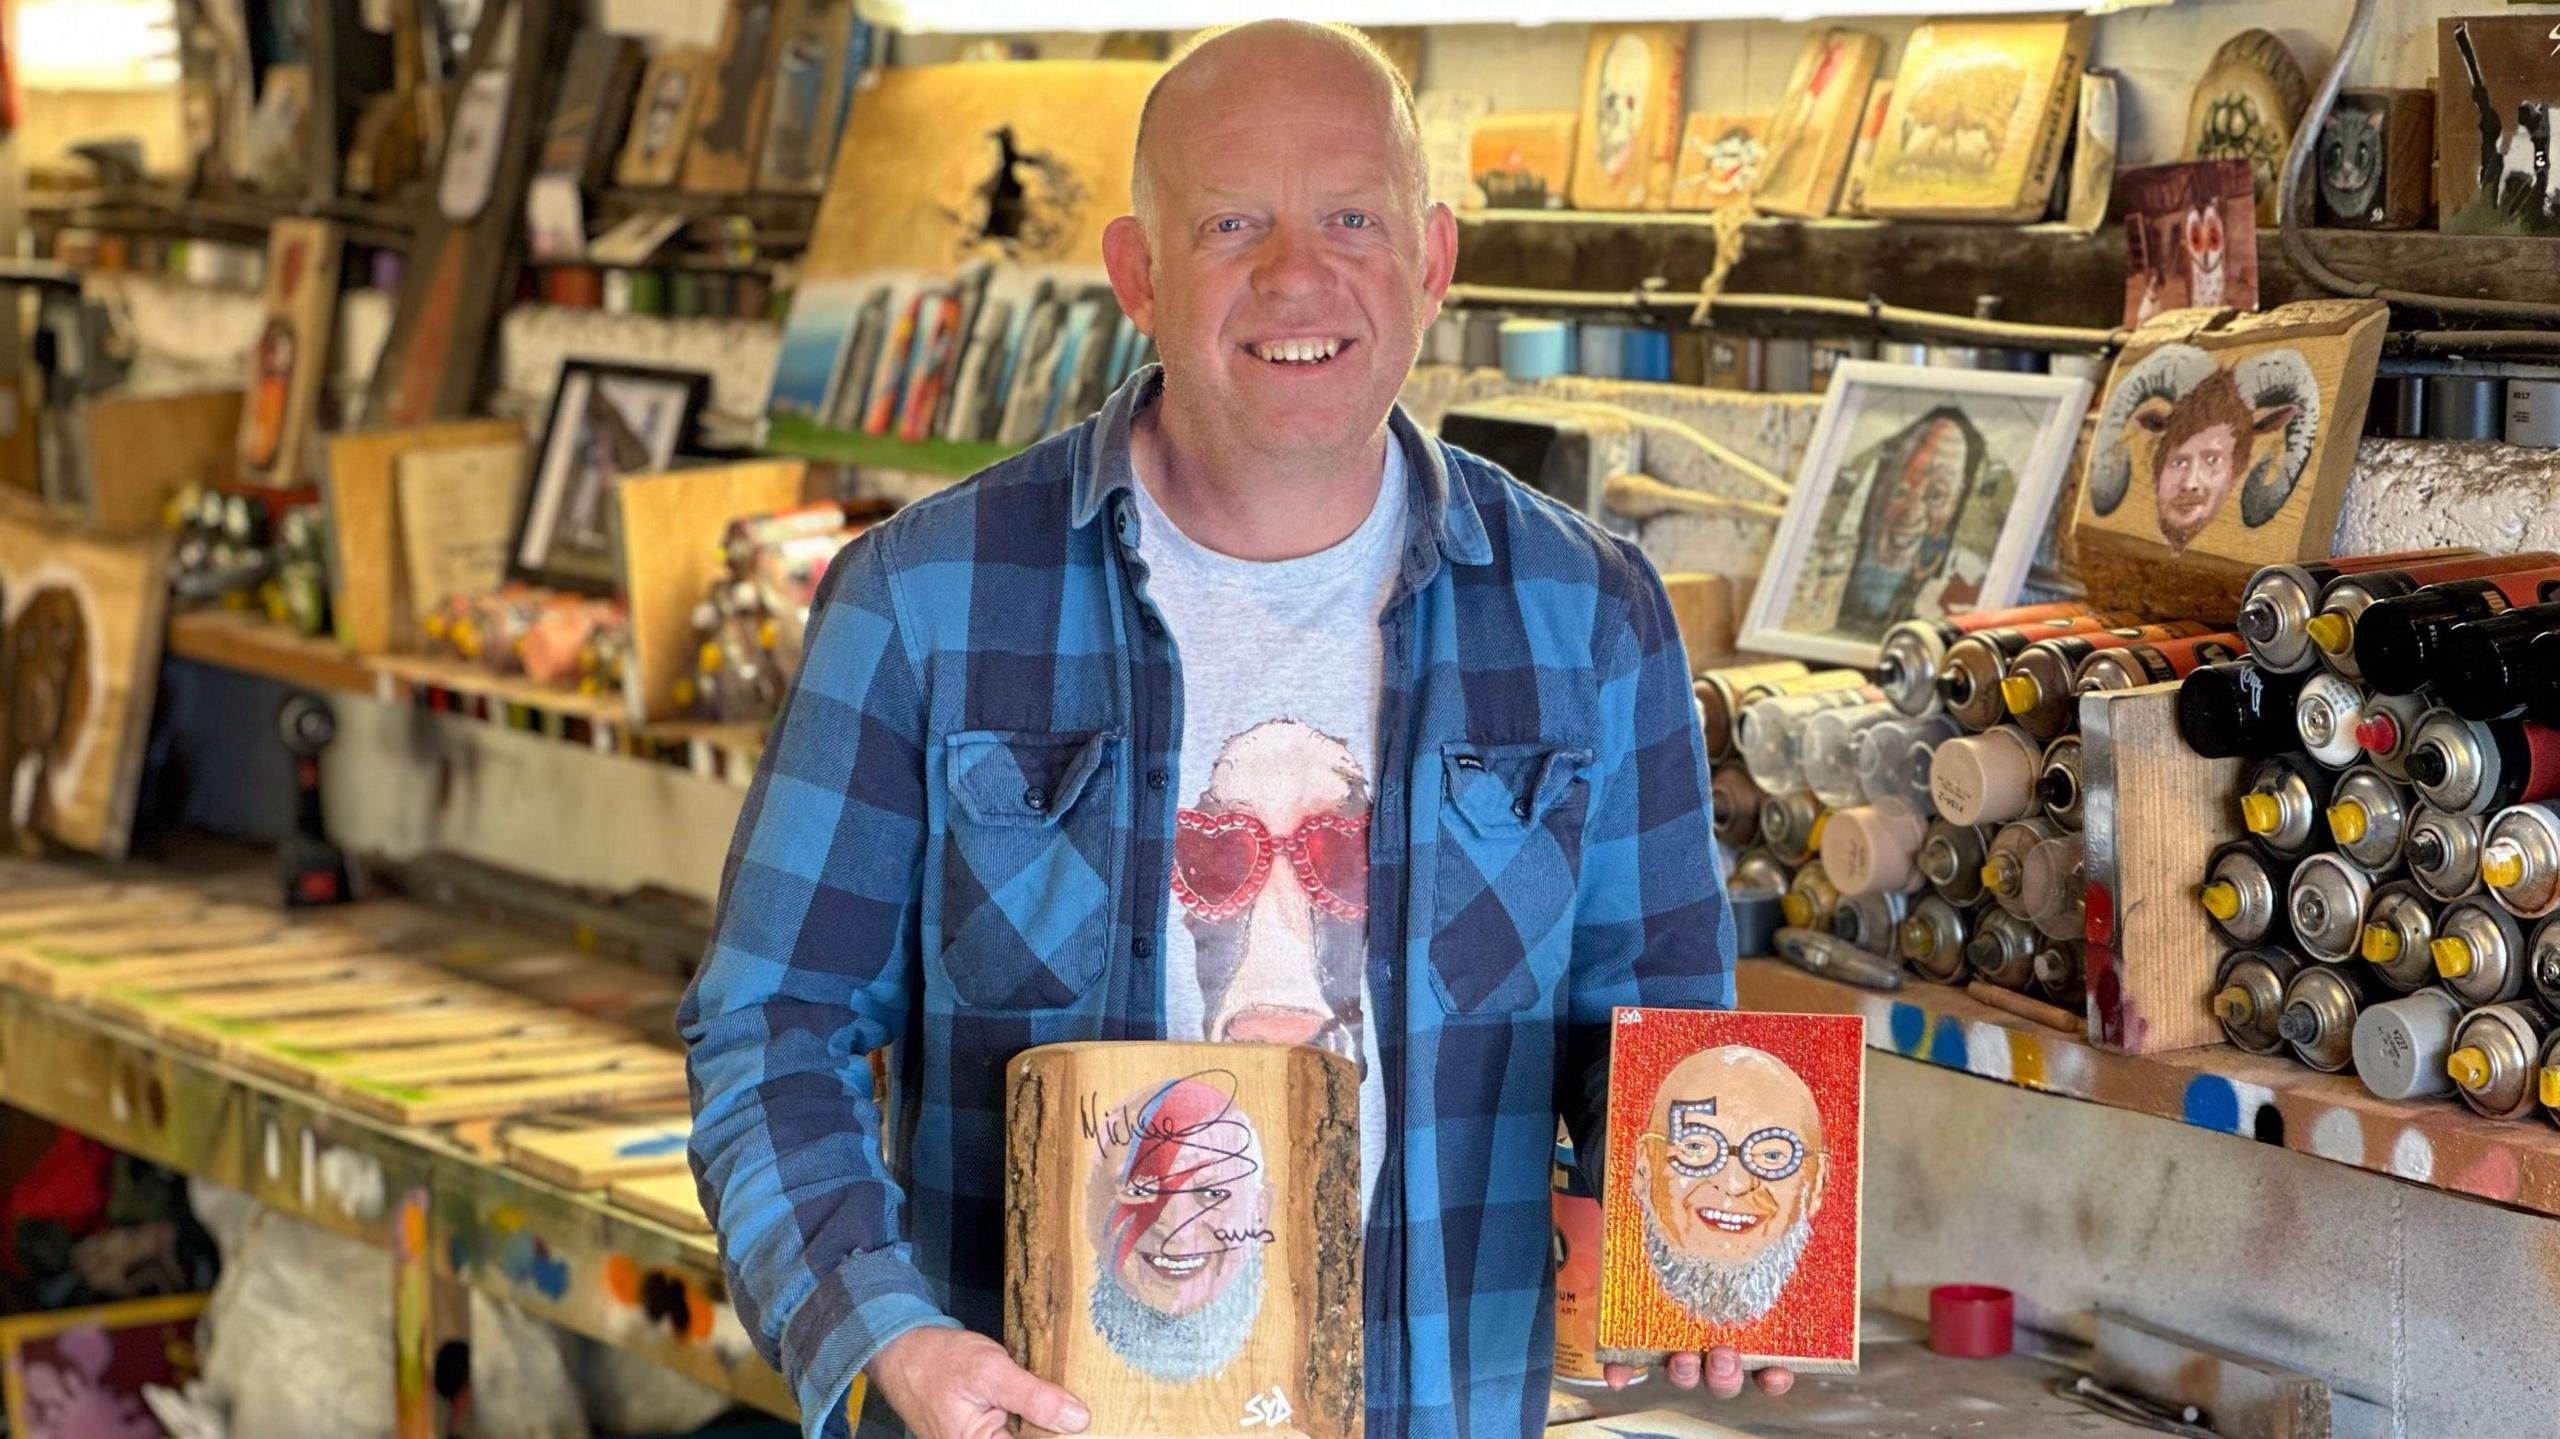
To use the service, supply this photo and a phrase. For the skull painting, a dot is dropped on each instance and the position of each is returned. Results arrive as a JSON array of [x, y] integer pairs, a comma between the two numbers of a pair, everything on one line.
[[1626, 88]]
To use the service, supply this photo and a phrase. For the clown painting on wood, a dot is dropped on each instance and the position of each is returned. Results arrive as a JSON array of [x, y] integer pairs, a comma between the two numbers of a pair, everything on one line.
[[2219, 450], [1732, 1197], [1182, 1227]]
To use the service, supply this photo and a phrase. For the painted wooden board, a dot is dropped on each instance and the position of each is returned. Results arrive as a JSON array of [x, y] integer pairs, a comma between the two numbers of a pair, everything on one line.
[[670, 530], [495, 1061], [2246, 108], [289, 952], [85, 621], [1521, 160], [583, 1158], [585, 130], [1646, 1424], [2155, 811], [2190, 238], [308, 1052], [34, 912], [662, 117], [458, 508], [369, 584], [2376, 161], [229, 1035], [2222, 446], [1720, 159], [145, 448], [55, 963], [1176, 1227], [289, 359], [1733, 1195], [670, 1199], [1817, 124], [653, 1074], [2496, 83], [728, 126], [1633, 78], [816, 63], [1976, 123]]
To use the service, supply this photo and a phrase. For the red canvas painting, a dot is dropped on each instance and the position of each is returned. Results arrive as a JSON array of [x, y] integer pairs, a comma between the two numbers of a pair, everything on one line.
[[1733, 1186]]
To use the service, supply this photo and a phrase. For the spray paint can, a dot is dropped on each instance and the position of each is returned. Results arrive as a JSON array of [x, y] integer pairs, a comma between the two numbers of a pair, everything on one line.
[[1915, 651], [1870, 921], [2278, 602], [1811, 900], [1988, 778], [2155, 664], [1826, 747], [1788, 825], [1975, 666], [1737, 805], [2401, 642], [2481, 766], [2344, 600], [2496, 1050], [2056, 887], [2248, 995], [2062, 974], [2243, 894], [2479, 951], [2546, 1078], [2520, 860], [2002, 950], [1932, 939], [1951, 858], [1874, 849], [2488, 670], [2318, 1020], [2386, 728], [2401, 1047], [2325, 714], [1770, 734], [2004, 868], [2286, 805], [2443, 851], [1759, 872], [2238, 711], [2542, 961], [1893, 759], [2399, 936], [2040, 686], [2369, 818], [1719, 692], [2058, 786], [2326, 902]]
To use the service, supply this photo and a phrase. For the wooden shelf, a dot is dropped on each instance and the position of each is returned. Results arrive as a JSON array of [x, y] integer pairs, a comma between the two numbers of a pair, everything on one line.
[[239, 640], [464, 678], [2439, 1143]]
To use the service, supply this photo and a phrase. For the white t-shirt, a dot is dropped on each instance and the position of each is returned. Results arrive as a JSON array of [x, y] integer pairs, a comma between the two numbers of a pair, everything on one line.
[[1281, 667]]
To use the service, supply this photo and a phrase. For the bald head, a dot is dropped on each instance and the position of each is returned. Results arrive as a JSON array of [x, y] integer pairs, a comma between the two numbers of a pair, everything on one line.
[[1225, 69]]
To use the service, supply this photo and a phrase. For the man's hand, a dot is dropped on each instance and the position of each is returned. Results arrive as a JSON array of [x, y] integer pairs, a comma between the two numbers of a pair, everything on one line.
[[952, 1384], [1723, 1372]]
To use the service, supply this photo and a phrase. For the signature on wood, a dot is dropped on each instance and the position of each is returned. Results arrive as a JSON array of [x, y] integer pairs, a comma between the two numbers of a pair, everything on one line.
[[1220, 1143]]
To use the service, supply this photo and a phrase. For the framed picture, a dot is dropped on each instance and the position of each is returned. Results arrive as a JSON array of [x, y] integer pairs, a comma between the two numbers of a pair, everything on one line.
[[1924, 493], [1731, 1204], [77, 1373], [606, 421]]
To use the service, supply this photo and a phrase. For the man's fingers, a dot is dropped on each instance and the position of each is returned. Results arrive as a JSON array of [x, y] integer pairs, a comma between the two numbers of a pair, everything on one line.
[[1775, 1381], [1724, 1373], [1683, 1369], [1035, 1399], [1619, 1375]]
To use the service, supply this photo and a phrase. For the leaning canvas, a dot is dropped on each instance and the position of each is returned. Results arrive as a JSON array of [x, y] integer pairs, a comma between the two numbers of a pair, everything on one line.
[[1733, 1186], [1979, 113], [2497, 79]]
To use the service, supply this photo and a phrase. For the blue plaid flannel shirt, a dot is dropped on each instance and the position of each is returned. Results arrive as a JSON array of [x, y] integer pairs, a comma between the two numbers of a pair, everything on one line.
[[958, 843]]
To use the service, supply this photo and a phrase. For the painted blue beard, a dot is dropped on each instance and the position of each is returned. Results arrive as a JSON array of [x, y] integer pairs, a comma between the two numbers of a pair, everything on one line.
[[1178, 1348], [1723, 1293]]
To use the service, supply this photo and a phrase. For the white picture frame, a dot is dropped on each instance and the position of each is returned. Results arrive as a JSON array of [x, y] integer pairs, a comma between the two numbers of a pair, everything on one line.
[[1835, 582]]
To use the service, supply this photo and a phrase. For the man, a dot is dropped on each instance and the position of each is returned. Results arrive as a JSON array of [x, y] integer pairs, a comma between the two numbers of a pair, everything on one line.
[[1249, 644], [1729, 1175]]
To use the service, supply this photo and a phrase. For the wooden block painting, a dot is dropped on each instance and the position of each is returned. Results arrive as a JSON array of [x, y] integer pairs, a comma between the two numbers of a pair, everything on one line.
[[729, 123], [1632, 78], [1817, 124], [2376, 162], [1720, 157], [80, 1373], [1979, 113], [291, 355], [1732, 1198], [1179, 1224], [2220, 448], [1521, 161], [83, 627], [2246, 108], [662, 118], [816, 64], [2496, 83], [2190, 238], [1862, 155], [596, 84]]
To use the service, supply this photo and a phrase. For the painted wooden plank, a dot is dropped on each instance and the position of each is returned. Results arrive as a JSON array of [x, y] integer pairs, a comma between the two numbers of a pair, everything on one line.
[[670, 1199], [658, 1076], [583, 1158]]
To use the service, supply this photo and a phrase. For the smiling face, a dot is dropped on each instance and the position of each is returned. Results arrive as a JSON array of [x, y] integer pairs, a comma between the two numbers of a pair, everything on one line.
[[2195, 479], [1179, 1215], [1729, 1175], [1927, 495], [1283, 257]]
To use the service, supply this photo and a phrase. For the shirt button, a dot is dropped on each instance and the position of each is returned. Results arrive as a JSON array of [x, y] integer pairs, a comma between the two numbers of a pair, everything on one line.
[[1520, 807], [1158, 779], [1035, 798], [1142, 946], [1154, 626]]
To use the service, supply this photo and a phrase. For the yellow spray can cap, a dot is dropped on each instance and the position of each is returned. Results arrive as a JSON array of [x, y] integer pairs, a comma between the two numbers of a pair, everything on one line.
[[2331, 631], [2502, 865], [1797, 909], [2261, 813], [2221, 899], [2381, 943], [2234, 1006], [2347, 821], [2453, 956], [2469, 1067], [2022, 693]]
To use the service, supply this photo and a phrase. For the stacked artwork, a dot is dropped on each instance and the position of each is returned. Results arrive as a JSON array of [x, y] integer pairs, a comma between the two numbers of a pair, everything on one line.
[[1817, 124], [1977, 120], [1720, 157], [291, 354]]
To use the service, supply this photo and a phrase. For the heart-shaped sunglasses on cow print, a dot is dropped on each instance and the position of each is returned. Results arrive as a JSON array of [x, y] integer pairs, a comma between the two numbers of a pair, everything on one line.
[[1221, 862]]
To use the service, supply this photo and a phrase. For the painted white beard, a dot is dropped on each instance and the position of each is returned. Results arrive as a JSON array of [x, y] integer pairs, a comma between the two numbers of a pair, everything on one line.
[[1178, 1348], [1723, 1293]]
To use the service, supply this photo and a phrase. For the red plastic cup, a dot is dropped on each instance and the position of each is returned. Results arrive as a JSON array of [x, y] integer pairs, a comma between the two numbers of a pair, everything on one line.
[[1972, 1321]]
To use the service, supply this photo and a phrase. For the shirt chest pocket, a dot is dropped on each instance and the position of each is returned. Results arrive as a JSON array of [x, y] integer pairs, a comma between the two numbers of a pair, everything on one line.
[[1504, 870], [1030, 856]]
